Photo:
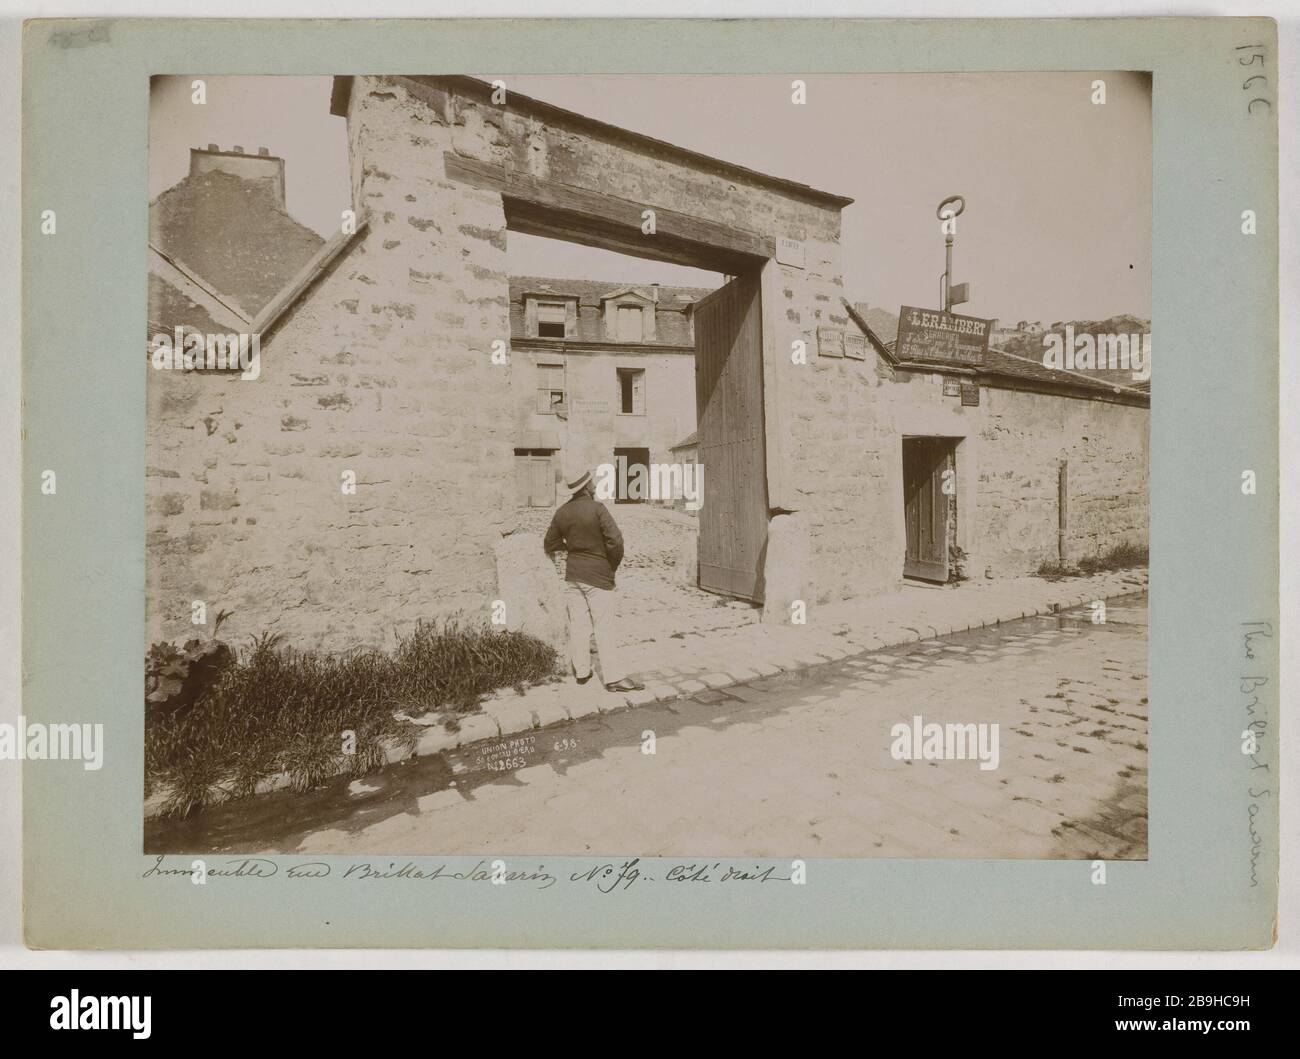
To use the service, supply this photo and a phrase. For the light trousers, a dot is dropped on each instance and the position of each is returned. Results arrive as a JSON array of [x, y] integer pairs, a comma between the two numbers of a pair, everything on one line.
[[590, 607]]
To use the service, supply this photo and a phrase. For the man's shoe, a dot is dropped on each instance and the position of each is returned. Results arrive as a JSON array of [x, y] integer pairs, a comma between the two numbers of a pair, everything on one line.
[[582, 680], [626, 684]]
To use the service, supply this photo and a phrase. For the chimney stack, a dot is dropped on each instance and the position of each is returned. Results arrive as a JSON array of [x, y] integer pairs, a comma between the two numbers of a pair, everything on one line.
[[261, 166]]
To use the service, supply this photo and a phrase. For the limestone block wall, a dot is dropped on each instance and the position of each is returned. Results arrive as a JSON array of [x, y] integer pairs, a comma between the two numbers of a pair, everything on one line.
[[825, 436], [382, 370], [1023, 439], [839, 442], [1008, 451]]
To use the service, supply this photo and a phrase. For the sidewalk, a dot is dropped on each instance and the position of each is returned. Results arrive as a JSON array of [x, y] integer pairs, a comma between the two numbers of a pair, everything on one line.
[[674, 668]]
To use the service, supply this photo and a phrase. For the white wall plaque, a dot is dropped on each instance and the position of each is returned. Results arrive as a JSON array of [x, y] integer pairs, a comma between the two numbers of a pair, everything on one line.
[[789, 252]]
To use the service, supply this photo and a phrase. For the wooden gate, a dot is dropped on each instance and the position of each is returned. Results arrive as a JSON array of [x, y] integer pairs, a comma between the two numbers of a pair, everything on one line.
[[925, 506], [729, 407]]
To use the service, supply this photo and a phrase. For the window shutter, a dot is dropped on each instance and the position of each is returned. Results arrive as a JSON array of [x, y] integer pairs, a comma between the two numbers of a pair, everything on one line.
[[550, 379], [630, 323]]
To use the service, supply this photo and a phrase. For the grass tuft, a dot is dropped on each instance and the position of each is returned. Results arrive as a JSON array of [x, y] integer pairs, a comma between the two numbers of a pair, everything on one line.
[[276, 710], [1121, 557]]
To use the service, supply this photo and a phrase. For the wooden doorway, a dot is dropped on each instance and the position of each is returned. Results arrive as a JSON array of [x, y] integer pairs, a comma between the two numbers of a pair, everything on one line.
[[534, 478], [632, 483], [729, 413], [929, 480]]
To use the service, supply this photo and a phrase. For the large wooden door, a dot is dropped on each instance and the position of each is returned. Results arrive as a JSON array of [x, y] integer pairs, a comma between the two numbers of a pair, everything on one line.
[[925, 507], [729, 407]]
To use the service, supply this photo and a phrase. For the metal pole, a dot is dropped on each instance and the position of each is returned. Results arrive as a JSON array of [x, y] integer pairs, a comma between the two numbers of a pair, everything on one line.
[[947, 274], [1063, 509], [958, 205]]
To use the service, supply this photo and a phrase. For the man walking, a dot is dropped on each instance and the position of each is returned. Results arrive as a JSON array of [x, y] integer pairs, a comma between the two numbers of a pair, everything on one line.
[[586, 530]]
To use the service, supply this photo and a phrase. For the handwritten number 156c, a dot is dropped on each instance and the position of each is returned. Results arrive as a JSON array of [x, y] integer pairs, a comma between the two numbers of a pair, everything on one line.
[[1256, 55]]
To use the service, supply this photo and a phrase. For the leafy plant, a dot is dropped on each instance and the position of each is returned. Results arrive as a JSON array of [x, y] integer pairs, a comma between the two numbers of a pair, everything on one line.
[[1054, 570], [957, 565], [175, 678]]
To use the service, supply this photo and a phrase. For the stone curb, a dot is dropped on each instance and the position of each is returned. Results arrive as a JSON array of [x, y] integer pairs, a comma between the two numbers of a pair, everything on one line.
[[506, 717]]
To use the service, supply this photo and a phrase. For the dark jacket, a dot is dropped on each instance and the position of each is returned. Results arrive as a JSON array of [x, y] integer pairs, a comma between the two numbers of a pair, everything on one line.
[[586, 529]]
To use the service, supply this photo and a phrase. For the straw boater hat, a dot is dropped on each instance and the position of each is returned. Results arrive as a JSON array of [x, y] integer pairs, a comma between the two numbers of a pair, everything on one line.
[[576, 479]]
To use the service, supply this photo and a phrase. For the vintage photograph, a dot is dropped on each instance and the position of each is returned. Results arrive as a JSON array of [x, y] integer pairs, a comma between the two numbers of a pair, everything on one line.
[[687, 466]]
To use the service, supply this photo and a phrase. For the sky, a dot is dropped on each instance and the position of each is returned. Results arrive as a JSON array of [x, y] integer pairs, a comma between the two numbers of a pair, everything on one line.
[[1057, 224]]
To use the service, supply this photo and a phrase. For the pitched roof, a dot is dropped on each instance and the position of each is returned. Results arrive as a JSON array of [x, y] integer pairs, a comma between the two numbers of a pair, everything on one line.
[[169, 308], [231, 231], [1000, 362], [591, 291], [882, 327], [883, 322], [875, 324], [1030, 346]]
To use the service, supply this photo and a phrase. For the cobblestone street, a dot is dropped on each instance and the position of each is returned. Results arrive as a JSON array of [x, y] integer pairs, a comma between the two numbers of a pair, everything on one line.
[[797, 764]]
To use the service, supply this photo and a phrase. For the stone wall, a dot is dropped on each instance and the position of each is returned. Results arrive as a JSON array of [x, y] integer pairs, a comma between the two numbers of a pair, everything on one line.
[[1008, 451], [1023, 440], [839, 441], [384, 370], [822, 433]]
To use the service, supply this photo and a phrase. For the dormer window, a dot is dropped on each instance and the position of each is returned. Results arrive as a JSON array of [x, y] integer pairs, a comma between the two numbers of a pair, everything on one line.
[[551, 317], [629, 315], [550, 314], [631, 323]]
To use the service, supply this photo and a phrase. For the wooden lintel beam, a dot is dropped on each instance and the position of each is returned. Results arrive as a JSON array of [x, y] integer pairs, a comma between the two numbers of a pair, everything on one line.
[[543, 207], [575, 228]]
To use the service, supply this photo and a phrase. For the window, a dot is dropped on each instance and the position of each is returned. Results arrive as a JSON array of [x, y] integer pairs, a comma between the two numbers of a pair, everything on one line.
[[550, 388], [630, 324], [631, 391], [551, 318]]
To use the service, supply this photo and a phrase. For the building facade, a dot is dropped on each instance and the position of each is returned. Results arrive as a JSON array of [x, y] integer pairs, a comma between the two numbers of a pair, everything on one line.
[[602, 373]]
